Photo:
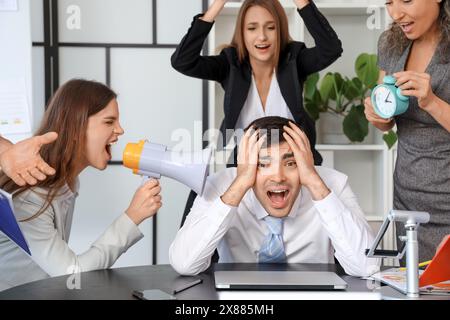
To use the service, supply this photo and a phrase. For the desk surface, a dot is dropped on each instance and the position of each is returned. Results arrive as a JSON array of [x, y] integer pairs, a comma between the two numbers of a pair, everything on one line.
[[119, 283]]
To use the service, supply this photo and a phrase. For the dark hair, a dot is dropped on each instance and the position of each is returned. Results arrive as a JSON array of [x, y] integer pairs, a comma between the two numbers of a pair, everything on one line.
[[281, 22], [396, 42], [272, 126], [67, 114]]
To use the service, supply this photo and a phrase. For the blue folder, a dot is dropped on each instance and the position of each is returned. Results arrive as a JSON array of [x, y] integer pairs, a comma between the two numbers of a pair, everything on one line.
[[8, 222]]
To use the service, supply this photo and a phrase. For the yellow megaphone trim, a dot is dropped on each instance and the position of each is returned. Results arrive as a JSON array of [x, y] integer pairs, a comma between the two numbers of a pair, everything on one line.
[[132, 155]]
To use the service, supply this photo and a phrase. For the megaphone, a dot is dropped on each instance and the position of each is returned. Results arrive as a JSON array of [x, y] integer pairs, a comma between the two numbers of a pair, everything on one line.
[[155, 160]]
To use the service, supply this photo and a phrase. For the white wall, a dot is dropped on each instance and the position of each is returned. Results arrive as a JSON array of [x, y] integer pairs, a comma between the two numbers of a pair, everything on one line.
[[37, 35], [15, 52]]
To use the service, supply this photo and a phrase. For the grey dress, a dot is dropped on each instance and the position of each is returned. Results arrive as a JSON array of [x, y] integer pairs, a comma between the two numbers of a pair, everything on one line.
[[422, 170]]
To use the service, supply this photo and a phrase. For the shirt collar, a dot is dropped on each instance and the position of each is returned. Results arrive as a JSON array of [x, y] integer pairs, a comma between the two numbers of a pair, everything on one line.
[[65, 192]]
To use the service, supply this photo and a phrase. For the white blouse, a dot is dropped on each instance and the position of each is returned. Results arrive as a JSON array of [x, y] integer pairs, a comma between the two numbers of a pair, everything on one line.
[[253, 108]]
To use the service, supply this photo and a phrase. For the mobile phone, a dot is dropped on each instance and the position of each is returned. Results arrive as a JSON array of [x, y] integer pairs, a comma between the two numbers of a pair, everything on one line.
[[153, 294]]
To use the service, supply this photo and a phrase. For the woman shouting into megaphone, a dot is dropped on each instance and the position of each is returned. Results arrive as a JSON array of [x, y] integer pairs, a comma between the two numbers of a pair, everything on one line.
[[85, 115]]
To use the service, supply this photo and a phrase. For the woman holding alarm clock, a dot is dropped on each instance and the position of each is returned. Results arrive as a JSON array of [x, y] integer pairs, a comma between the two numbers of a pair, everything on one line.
[[416, 51]]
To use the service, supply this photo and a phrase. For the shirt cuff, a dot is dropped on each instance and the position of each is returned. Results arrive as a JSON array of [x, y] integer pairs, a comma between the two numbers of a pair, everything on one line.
[[128, 227], [199, 26], [330, 208], [306, 9], [202, 22]]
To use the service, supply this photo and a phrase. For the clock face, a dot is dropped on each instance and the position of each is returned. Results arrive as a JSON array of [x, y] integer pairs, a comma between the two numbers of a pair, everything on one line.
[[385, 101]]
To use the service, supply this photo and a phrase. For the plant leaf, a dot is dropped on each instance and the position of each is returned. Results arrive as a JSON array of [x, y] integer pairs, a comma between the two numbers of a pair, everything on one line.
[[314, 106], [339, 82], [357, 83], [390, 138], [355, 125], [351, 90], [327, 88], [339, 88], [367, 70], [317, 99], [312, 110], [310, 86]]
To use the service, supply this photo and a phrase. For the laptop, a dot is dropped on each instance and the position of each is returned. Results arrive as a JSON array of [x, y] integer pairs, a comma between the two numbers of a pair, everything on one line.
[[278, 280]]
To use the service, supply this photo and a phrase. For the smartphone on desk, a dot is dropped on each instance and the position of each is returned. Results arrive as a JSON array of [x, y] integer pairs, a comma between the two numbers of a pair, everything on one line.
[[153, 294]]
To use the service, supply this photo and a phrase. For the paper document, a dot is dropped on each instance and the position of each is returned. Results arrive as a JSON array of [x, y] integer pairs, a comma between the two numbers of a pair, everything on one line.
[[14, 110], [8, 5], [8, 222], [396, 279]]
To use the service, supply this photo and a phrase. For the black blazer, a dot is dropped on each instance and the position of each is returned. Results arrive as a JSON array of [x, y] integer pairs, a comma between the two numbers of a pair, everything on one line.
[[295, 64]]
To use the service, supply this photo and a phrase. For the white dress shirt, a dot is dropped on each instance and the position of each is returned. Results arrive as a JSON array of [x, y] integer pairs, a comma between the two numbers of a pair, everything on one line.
[[253, 108], [313, 231], [47, 236]]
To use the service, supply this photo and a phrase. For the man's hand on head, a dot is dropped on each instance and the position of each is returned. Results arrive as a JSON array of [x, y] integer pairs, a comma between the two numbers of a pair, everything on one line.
[[247, 158], [299, 143], [248, 152]]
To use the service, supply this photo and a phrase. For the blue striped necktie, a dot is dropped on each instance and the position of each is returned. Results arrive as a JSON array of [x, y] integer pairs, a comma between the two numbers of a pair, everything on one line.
[[272, 248]]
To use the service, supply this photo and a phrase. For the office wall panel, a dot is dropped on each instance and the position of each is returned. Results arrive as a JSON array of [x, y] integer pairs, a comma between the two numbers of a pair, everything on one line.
[[156, 102], [87, 63], [174, 18], [37, 20], [38, 101], [154, 98], [105, 21], [345, 26], [16, 53]]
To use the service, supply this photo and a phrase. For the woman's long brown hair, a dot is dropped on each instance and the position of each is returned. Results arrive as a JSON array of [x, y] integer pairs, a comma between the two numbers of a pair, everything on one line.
[[67, 114], [281, 23]]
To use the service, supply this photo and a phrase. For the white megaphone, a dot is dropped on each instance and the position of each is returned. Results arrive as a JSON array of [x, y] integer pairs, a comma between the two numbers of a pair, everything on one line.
[[155, 160]]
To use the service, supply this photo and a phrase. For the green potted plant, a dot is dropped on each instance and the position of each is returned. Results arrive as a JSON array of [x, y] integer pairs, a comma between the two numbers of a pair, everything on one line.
[[343, 97]]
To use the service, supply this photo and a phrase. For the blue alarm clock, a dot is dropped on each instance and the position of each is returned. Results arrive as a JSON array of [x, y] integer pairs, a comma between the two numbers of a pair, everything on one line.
[[388, 100]]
